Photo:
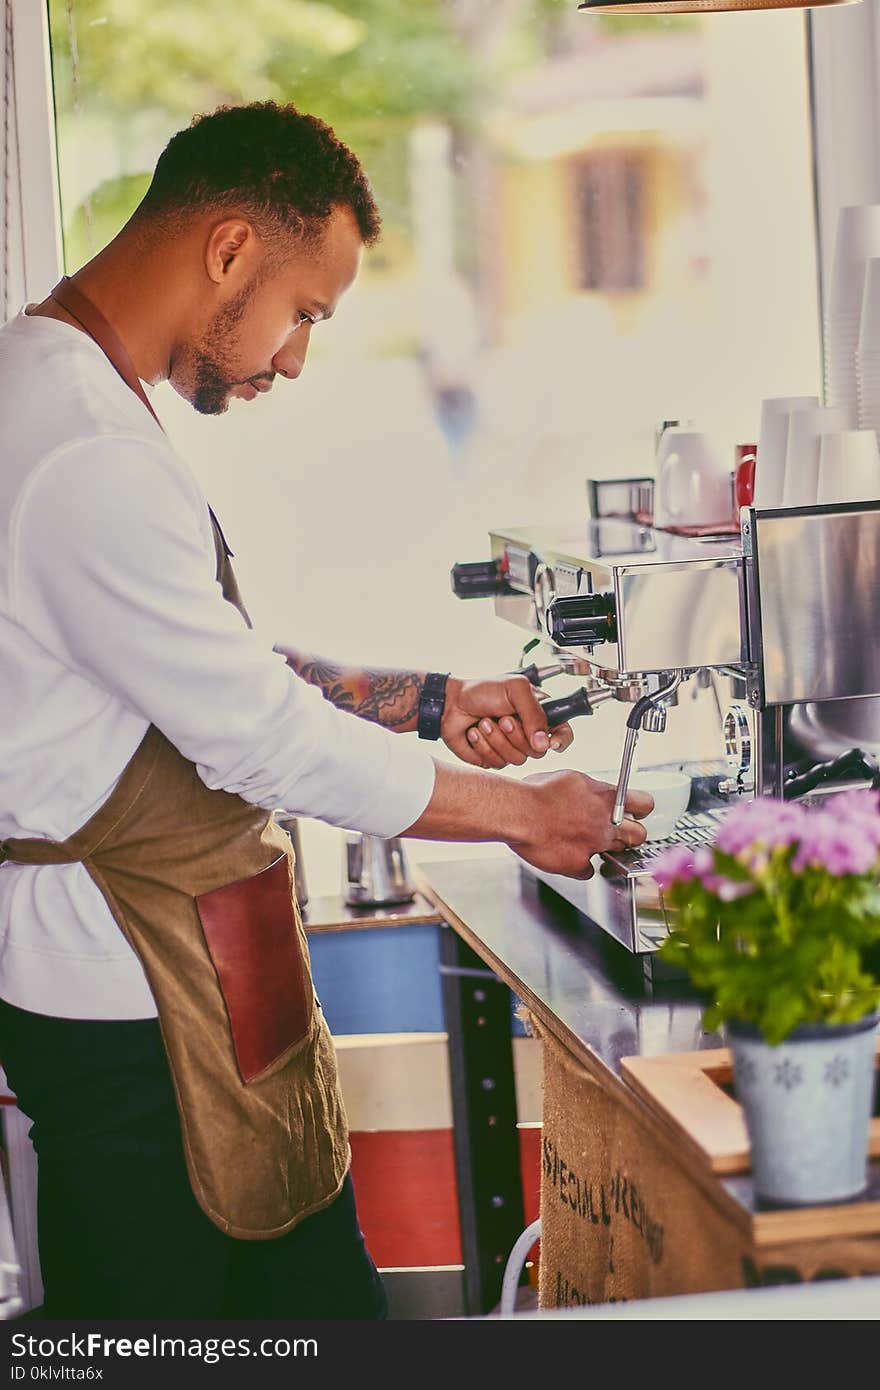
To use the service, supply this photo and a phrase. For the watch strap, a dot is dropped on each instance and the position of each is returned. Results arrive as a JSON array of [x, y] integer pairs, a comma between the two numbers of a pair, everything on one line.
[[432, 703]]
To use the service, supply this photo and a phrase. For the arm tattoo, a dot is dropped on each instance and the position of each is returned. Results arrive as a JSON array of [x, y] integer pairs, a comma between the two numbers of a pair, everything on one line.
[[390, 698]]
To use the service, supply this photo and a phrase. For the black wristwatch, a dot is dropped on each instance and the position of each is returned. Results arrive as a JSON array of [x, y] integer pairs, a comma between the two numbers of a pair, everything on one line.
[[432, 703]]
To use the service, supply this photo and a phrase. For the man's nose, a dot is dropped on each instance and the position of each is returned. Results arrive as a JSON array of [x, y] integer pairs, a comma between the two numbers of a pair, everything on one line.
[[290, 359]]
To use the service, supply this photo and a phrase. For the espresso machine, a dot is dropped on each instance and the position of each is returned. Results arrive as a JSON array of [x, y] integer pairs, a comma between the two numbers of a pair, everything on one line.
[[771, 636]]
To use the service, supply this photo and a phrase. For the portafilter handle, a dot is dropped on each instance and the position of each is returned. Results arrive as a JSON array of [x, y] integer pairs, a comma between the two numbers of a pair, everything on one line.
[[644, 714], [581, 701], [566, 707]]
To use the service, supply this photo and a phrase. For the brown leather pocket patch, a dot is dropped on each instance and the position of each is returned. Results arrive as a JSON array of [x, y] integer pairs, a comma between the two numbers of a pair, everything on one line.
[[251, 933]]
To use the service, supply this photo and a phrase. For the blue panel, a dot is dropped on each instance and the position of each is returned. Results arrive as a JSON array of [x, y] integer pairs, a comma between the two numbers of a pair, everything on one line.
[[383, 980], [518, 1028], [379, 980]]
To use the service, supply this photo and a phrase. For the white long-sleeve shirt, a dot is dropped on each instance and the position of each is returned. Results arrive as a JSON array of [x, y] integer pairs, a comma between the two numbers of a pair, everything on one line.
[[111, 619]]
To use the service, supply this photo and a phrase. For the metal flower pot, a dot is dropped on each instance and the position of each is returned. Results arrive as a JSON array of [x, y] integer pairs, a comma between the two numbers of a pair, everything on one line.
[[808, 1104]]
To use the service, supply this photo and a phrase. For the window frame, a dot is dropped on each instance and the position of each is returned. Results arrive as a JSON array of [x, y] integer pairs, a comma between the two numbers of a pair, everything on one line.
[[35, 231]]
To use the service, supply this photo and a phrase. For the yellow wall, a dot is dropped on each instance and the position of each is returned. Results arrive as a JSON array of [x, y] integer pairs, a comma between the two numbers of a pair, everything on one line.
[[542, 235]]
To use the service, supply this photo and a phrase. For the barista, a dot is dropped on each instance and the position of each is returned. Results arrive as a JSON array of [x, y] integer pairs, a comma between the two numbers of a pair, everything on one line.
[[158, 1021]]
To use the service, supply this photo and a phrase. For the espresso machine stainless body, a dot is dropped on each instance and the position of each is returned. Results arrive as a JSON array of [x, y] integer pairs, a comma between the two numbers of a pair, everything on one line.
[[782, 619]]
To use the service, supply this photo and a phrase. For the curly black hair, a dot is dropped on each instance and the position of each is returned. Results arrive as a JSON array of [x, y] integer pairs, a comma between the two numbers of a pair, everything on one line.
[[287, 168]]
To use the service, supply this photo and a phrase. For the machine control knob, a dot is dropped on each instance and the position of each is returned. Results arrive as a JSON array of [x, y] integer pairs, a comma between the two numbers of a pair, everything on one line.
[[581, 620], [479, 579]]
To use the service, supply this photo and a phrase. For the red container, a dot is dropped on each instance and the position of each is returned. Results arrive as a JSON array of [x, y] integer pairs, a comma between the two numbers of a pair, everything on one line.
[[744, 475]]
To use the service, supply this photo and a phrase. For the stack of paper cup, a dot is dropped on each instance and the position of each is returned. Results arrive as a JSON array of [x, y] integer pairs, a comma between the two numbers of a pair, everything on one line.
[[772, 447], [868, 354], [849, 467], [856, 242], [805, 430]]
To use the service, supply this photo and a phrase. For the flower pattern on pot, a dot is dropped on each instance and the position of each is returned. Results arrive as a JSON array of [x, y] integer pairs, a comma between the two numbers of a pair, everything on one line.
[[746, 1070], [788, 1074], [836, 1071]]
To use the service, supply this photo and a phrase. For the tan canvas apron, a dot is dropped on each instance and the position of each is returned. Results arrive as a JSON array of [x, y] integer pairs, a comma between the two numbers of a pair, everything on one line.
[[201, 883]]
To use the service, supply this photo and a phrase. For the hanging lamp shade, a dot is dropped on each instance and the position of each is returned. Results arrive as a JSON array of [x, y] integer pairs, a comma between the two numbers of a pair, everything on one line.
[[702, 6]]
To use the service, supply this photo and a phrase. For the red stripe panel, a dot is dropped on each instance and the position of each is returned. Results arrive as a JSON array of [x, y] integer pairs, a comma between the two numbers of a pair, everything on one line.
[[406, 1193]]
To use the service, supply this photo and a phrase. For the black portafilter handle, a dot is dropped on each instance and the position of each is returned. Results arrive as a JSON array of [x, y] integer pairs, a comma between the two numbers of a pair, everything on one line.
[[479, 579], [854, 763], [566, 707], [531, 673]]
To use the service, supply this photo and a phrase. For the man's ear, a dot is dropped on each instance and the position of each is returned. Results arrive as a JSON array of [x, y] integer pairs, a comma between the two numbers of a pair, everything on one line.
[[230, 250]]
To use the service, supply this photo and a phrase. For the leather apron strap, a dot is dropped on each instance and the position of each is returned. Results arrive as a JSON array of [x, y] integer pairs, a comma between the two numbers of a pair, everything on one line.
[[89, 838], [90, 318]]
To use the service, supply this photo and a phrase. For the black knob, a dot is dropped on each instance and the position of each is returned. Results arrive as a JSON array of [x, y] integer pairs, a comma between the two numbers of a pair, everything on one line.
[[581, 620], [479, 579]]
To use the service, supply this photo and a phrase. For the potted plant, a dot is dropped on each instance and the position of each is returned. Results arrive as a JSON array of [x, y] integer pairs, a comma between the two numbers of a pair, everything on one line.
[[778, 922]]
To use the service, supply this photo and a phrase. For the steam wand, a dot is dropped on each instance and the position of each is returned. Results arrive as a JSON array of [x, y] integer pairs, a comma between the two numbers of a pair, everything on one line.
[[647, 713]]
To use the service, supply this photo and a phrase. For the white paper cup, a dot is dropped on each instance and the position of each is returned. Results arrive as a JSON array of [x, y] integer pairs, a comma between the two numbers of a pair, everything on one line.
[[869, 321], [869, 405], [857, 239], [849, 467], [805, 428], [772, 446], [671, 791]]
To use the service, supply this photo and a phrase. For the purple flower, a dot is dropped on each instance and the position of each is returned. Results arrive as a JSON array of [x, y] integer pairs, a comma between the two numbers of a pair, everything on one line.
[[682, 865], [752, 828], [675, 865], [841, 837], [858, 808], [726, 889], [839, 845]]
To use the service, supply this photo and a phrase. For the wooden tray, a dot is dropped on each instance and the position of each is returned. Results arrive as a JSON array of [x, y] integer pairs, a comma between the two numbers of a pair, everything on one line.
[[692, 1091]]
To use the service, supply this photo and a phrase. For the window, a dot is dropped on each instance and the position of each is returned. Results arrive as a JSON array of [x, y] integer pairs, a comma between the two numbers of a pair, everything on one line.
[[611, 195]]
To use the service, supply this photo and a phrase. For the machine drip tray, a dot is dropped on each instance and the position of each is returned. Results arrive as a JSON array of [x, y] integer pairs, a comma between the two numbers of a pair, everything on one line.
[[694, 830]]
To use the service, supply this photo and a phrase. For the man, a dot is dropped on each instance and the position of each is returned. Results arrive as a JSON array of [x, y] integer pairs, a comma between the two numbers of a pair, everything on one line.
[[158, 1021]]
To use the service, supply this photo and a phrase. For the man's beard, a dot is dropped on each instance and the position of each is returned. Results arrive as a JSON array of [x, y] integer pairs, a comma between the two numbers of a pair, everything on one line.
[[211, 389], [212, 382]]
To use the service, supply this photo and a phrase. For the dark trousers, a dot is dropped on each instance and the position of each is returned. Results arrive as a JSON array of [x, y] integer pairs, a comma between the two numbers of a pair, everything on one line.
[[120, 1232]]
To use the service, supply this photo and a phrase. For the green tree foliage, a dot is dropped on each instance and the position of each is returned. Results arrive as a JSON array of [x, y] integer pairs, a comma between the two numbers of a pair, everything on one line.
[[367, 59], [368, 67], [371, 68]]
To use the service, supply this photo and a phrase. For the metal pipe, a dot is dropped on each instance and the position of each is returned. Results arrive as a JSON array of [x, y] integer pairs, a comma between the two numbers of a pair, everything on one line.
[[633, 724]]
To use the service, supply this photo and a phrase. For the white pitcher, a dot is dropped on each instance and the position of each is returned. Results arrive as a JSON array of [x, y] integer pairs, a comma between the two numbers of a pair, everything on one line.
[[693, 487]]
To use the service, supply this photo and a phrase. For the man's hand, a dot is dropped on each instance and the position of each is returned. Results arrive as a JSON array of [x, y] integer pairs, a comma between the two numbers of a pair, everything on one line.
[[493, 723], [554, 820], [572, 822]]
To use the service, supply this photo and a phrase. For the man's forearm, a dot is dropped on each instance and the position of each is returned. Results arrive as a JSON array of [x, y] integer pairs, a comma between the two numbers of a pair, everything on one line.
[[553, 820], [390, 698], [469, 804]]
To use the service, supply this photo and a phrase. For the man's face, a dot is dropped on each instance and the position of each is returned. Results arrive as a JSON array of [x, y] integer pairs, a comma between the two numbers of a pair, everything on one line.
[[264, 330]]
